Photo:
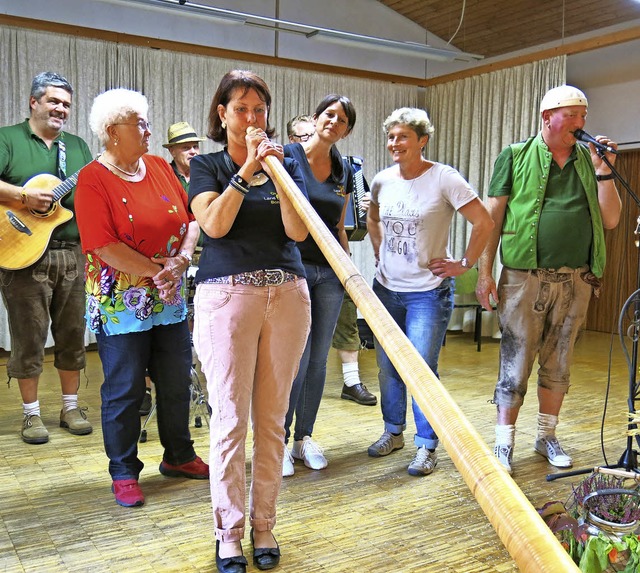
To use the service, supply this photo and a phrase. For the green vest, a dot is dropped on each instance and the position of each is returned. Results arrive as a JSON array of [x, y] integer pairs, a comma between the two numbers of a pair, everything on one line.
[[530, 174]]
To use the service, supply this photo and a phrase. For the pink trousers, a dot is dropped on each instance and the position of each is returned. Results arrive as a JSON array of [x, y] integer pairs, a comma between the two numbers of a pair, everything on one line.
[[249, 340]]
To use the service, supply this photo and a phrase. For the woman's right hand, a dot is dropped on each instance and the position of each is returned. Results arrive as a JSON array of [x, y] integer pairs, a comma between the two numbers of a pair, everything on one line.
[[167, 287]]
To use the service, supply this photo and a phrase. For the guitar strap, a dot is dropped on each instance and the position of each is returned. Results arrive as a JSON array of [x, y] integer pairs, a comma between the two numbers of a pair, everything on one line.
[[62, 160]]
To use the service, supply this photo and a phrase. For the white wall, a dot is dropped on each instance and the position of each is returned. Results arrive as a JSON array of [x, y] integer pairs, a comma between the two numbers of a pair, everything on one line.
[[610, 78]]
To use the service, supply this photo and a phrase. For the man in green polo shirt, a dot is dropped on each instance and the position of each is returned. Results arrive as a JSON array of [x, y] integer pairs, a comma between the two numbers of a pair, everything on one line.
[[50, 291], [550, 199]]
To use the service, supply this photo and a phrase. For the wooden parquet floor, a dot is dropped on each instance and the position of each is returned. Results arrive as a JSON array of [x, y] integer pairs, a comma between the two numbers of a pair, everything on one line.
[[57, 513]]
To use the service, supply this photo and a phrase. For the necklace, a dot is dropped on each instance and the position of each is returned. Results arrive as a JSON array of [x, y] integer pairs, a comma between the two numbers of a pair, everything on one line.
[[122, 170], [421, 169], [258, 179]]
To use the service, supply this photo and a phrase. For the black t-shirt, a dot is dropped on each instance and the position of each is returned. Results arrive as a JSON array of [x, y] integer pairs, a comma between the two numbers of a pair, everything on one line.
[[257, 239], [326, 197]]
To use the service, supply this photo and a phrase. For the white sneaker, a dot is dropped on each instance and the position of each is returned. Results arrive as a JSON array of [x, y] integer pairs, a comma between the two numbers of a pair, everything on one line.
[[550, 448], [310, 453], [287, 463], [504, 454]]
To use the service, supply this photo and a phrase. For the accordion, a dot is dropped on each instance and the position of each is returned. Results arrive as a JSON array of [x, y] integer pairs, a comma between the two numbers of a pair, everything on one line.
[[355, 221]]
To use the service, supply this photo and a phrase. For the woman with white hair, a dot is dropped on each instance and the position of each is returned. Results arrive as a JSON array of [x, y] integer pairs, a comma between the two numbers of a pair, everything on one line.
[[409, 217], [138, 237]]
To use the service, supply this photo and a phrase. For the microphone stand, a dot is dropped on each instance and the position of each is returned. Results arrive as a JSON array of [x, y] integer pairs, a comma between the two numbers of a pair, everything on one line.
[[629, 458]]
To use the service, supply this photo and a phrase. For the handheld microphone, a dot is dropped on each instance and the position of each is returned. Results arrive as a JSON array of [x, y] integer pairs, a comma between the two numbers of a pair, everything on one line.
[[581, 135]]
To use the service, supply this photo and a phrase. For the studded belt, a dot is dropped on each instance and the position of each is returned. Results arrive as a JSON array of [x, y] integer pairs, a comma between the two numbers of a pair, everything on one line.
[[557, 275], [267, 277]]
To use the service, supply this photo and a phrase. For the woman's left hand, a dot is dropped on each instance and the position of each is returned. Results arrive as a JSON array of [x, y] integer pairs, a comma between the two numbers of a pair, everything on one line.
[[445, 268], [268, 147], [173, 268]]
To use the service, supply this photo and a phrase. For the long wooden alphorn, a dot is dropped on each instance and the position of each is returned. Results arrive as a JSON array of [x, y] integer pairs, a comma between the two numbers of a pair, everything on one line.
[[522, 531]]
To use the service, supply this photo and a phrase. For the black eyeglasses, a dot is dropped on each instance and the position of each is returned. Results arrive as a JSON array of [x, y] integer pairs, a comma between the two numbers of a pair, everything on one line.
[[303, 137]]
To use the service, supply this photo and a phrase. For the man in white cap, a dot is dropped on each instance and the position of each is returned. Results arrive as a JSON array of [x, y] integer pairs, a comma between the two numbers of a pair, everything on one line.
[[184, 144], [550, 199]]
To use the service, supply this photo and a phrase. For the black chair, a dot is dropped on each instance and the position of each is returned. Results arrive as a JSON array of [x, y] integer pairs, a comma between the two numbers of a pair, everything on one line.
[[465, 284]]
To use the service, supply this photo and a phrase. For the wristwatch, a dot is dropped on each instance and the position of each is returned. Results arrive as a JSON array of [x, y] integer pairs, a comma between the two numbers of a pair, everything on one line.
[[186, 256], [464, 262], [606, 177]]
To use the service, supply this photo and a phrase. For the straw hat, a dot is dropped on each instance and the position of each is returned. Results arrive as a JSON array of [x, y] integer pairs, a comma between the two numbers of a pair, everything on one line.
[[562, 96], [181, 132]]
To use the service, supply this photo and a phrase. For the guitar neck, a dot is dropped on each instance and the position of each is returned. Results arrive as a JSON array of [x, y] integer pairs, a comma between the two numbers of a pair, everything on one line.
[[61, 190]]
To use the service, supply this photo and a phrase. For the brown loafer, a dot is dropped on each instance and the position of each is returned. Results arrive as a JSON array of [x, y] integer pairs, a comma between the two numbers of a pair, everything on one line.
[[358, 394]]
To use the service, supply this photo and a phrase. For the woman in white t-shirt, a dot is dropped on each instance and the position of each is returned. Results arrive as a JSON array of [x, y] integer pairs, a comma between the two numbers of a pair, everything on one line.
[[412, 205]]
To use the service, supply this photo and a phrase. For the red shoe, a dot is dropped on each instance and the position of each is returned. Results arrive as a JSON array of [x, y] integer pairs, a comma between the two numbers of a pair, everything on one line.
[[127, 492], [195, 469]]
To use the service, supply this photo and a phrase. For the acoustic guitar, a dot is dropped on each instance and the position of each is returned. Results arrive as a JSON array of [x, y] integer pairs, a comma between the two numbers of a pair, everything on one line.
[[24, 233]]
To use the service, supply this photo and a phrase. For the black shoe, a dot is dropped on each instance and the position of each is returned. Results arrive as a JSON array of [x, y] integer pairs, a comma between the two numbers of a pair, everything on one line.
[[145, 406], [358, 394], [265, 557], [236, 564]]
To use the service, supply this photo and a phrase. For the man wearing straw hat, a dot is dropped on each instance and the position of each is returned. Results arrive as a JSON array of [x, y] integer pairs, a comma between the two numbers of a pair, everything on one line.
[[184, 144], [551, 200]]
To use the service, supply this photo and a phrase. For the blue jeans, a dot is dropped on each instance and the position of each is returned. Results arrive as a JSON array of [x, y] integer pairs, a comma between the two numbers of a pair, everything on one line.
[[423, 317], [166, 351], [326, 292]]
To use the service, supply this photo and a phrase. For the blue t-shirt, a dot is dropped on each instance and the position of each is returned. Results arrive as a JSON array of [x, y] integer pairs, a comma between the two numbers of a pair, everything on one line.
[[326, 197], [257, 239]]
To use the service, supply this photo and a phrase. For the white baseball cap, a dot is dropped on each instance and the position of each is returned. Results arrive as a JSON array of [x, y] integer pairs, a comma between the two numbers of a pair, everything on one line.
[[562, 96]]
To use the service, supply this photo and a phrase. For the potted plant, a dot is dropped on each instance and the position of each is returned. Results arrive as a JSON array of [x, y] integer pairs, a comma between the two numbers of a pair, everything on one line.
[[602, 501], [597, 528]]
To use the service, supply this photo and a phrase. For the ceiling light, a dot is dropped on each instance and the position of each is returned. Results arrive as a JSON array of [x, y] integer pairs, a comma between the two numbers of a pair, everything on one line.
[[171, 6], [409, 49]]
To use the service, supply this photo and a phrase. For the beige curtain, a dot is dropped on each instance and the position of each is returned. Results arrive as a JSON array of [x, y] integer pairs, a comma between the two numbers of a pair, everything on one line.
[[474, 119], [180, 87]]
